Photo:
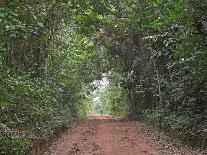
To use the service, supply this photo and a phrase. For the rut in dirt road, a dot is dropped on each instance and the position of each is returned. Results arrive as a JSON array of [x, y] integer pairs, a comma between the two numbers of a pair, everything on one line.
[[104, 135]]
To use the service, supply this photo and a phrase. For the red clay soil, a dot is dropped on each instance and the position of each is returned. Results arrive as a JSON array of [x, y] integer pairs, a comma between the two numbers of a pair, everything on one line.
[[105, 135]]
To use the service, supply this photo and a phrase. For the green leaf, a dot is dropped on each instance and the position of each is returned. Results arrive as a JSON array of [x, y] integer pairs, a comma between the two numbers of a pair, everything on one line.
[[40, 24], [1, 14]]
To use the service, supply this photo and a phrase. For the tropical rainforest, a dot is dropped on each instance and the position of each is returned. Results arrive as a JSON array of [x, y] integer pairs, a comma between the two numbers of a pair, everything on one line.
[[154, 53]]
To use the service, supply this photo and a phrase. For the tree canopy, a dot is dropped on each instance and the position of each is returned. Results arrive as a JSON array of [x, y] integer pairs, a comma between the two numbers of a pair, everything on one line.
[[154, 53]]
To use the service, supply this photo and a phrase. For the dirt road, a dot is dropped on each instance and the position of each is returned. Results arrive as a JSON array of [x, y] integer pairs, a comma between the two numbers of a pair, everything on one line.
[[104, 135]]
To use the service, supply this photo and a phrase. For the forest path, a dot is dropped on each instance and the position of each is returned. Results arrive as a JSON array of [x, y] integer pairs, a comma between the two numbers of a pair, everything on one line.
[[105, 135]]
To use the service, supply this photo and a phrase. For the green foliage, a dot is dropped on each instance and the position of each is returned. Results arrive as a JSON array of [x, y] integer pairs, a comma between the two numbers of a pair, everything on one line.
[[114, 101], [161, 47], [31, 107], [16, 144], [46, 70], [155, 53]]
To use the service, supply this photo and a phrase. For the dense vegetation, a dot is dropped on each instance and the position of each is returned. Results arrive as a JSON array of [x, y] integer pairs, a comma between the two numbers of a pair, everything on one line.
[[154, 53], [46, 71], [161, 47]]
